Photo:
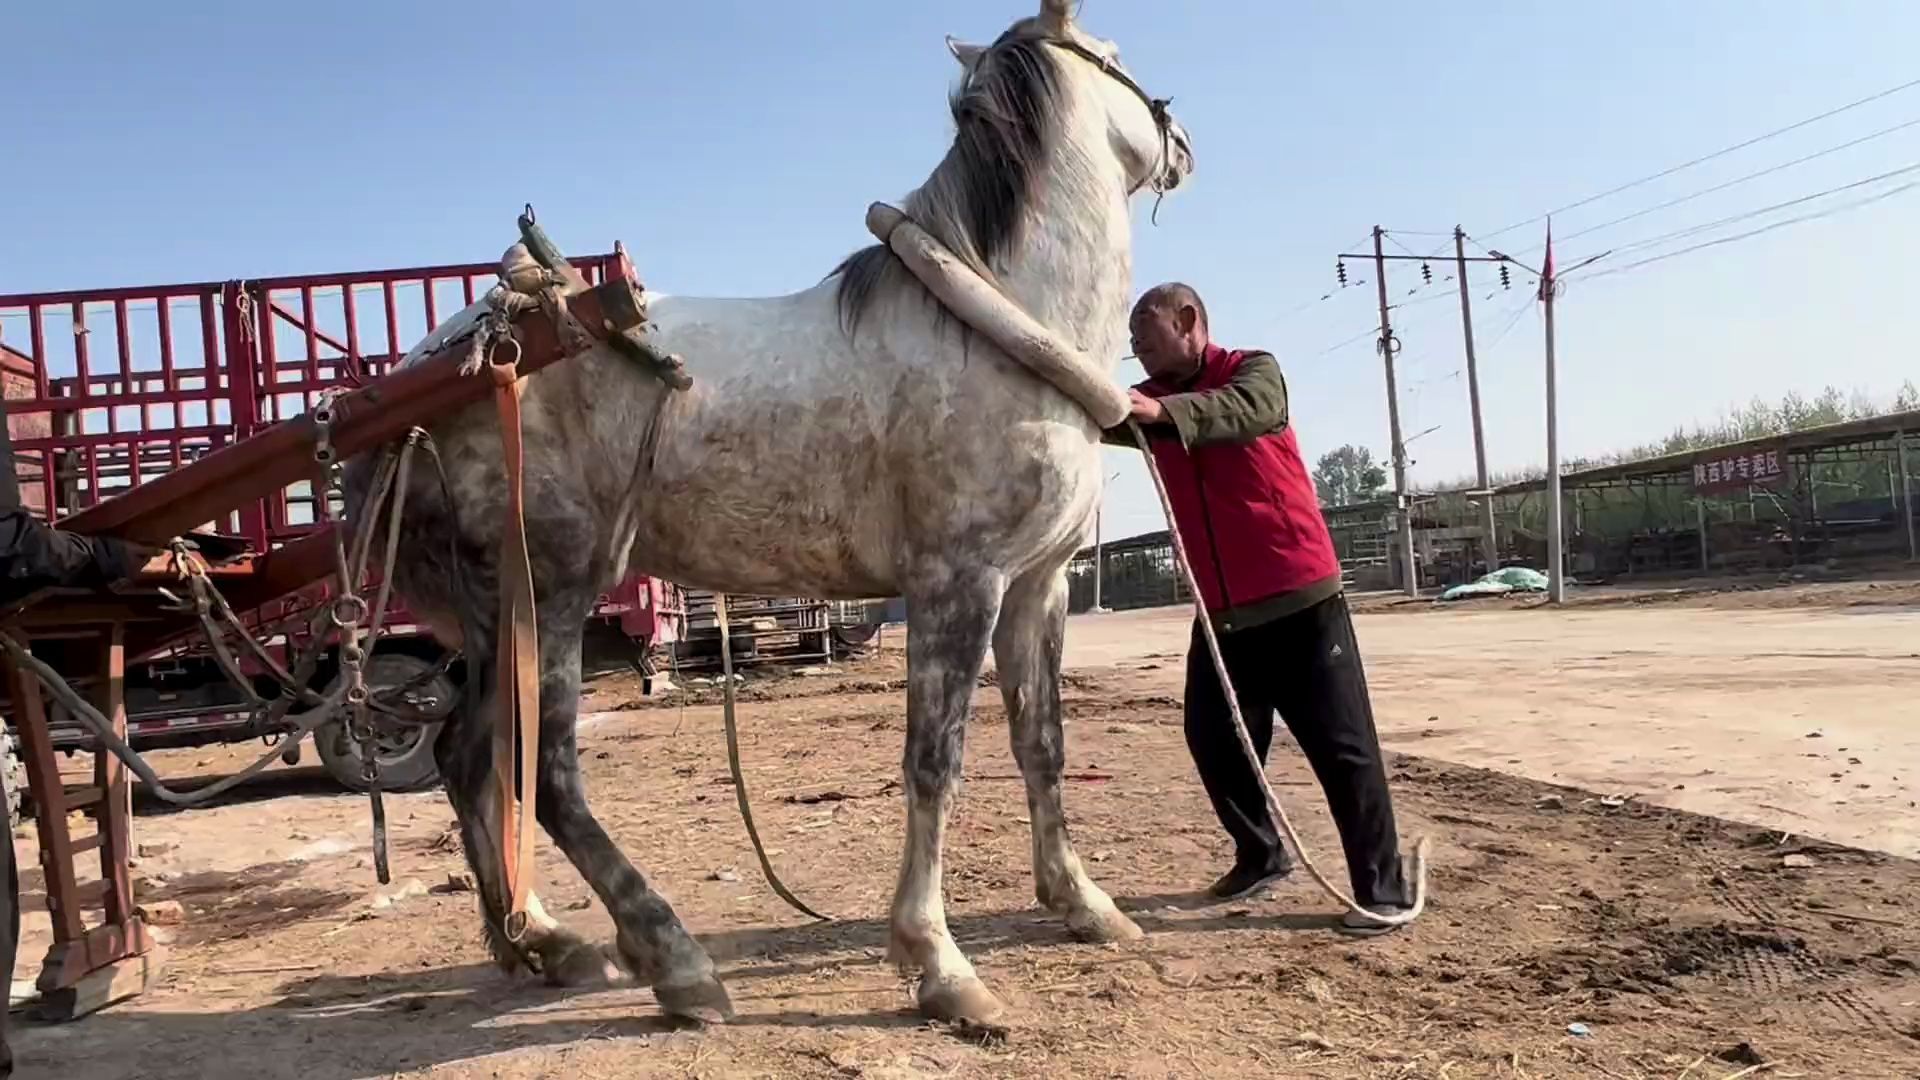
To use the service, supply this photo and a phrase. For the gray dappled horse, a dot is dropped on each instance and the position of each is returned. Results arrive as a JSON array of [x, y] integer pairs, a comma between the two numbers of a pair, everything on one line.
[[846, 441]]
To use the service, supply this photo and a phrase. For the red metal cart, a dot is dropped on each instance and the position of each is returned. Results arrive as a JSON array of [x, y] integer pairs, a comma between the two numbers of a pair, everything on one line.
[[150, 412]]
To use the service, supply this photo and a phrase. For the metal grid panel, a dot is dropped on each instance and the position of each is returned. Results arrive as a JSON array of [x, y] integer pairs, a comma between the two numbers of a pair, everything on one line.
[[128, 384]]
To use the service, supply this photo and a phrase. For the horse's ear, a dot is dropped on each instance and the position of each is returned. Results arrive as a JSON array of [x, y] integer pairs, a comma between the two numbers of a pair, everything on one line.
[[1055, 15], [968, 55]]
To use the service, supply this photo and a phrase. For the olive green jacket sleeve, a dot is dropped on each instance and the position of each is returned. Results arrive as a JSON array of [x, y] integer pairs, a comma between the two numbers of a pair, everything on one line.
[[1252, 404]]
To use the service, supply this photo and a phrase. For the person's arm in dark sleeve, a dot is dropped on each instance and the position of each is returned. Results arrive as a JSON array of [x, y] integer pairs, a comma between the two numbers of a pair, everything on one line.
[[1252, 404], [34, 555]]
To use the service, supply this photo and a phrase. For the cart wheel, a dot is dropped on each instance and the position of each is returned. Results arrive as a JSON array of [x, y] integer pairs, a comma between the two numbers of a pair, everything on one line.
[[404, 732], [854, 638], [13, 773]]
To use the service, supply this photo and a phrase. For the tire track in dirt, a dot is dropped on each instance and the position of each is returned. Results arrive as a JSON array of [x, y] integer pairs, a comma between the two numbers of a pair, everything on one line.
[[1791, 971]]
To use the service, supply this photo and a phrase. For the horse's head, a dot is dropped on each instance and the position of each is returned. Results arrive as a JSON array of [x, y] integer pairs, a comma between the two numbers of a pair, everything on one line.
[[1152, 147]]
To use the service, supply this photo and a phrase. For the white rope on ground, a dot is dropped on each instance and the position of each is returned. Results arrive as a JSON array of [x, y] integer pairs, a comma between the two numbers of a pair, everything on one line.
[[1420, 850]]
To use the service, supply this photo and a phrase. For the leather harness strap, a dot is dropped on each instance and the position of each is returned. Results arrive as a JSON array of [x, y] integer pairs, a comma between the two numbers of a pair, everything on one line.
[[516, 728]]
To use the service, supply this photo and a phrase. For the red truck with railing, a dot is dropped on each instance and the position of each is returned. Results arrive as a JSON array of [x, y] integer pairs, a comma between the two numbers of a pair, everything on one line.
[[106, 389]]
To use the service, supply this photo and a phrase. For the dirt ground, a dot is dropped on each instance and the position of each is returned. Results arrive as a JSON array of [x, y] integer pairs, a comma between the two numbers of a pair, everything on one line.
[[1586, 917]]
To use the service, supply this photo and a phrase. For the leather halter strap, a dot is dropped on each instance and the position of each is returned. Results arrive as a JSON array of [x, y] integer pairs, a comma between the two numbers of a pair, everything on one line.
[[1159, 108], [516, 727]]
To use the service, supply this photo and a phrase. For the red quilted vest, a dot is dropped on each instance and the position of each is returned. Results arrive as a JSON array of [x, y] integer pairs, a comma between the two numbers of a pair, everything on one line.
[[1246, 512]]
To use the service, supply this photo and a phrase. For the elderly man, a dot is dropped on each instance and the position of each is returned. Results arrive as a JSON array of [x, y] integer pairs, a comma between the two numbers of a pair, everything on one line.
[[1244, 503]]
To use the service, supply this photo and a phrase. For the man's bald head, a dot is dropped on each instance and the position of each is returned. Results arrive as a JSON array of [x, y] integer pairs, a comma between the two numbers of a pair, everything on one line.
[[1172, 296], [1169, 330]]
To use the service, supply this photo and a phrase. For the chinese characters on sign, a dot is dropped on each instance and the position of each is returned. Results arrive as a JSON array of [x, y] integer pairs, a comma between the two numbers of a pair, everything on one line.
[[1737, 471]]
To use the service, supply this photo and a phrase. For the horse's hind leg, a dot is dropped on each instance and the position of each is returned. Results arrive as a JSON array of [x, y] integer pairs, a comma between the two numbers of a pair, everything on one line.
[[651, 938], [949, 625], [1027, 648]]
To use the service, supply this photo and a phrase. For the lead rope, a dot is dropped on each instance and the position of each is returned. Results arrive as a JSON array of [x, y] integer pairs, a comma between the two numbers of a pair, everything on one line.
[[1419, 860], [733, 764]]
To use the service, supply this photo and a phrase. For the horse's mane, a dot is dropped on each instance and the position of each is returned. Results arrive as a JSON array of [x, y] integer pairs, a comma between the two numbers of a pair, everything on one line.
[[1005, 120]]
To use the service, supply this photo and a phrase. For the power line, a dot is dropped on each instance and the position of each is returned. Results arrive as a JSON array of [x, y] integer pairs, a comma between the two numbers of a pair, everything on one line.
[[1399, 330], [1374, 330], [1507, 329], [1731, 219], [1371, 331], [1707, 157], [1396, 243], [1445, 295], [1740, 180], [1767, 228], [1330, 294]]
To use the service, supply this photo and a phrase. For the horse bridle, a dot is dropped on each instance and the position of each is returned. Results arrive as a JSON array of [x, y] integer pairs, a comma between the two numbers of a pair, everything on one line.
[[1159, 108]]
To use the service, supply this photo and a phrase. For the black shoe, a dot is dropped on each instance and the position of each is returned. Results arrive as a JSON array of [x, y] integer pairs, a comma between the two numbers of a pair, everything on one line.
[[1354, 925], [1244, 880]]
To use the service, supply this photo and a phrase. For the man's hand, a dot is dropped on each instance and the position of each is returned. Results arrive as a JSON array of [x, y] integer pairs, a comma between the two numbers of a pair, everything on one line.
[[147, 560], [1145, 409]]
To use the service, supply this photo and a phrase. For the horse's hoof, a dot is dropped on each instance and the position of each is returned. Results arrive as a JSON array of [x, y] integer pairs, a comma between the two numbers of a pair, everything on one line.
[[1103, 927], [962, 1001], [900, 956], [570, 961], [704, 1001]]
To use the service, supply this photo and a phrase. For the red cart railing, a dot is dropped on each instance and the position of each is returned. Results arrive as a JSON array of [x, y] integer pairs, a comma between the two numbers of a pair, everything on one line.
[[142, 412]]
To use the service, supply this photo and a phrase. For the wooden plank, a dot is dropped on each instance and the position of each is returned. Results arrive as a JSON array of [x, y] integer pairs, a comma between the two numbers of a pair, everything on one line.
[[110, 775], [49, 800], [85, 798], [104, 986], [71, 961]]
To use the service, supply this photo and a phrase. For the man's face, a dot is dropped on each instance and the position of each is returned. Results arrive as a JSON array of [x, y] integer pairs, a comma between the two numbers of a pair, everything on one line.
[[1162, 338]]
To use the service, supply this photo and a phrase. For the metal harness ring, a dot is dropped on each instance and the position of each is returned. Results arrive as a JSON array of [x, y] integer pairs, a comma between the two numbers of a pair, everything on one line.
[[516, 925], [348, 609]]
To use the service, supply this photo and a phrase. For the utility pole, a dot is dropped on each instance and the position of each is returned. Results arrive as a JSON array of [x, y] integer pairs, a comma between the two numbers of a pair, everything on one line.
[[1473, 397], [1906, 497], [1387, 346], [1556, 541], [1099, 553], [1097, 560]]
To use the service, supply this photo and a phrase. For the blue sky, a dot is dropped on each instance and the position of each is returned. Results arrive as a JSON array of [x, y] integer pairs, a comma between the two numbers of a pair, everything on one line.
[[735, 145]]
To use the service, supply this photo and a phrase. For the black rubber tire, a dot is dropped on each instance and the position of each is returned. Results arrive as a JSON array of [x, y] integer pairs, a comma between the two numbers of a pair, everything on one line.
[[407, 763], [851, 641]]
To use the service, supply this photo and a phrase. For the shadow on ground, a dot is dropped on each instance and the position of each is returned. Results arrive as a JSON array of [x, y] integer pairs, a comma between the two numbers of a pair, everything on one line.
[[332, 1027]]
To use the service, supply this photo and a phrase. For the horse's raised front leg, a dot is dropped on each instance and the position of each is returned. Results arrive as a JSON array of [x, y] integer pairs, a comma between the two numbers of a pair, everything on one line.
[[949, 623], [1027, 648], [656, 947]]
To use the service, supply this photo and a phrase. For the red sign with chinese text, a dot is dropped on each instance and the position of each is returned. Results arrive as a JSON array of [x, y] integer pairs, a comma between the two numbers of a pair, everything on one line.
[[1729, 471]]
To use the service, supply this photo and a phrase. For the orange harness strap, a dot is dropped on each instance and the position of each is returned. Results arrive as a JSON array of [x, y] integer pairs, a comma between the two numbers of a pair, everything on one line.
[[516, 668]]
